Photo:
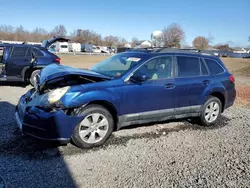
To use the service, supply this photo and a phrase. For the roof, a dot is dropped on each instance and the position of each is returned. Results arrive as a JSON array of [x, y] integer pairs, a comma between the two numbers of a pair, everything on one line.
[[169, 50], [20, 45], [153, 53]]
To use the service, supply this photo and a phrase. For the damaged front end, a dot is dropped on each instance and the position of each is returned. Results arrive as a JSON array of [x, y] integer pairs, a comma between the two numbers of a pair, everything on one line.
[[44, 111], [55, 81]]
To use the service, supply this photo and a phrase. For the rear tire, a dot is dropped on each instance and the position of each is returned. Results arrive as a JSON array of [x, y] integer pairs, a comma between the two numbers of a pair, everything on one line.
[[95, 128], [32, 76], [211, 111]]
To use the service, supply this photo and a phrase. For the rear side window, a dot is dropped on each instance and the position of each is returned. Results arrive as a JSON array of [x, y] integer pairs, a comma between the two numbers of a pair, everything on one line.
[[37, 52], [214, 67], [19, 52], [188, 66]]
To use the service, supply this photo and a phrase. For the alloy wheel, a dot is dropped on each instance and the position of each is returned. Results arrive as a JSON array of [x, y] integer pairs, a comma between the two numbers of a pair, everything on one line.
[[93, 128], [212, 111]]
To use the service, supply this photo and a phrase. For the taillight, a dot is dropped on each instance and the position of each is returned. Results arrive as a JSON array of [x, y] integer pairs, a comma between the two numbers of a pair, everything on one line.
[[232, 79], [58, 60]]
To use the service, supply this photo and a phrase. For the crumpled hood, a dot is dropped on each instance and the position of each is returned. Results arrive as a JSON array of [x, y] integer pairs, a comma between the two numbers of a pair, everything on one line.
[[54, 70]]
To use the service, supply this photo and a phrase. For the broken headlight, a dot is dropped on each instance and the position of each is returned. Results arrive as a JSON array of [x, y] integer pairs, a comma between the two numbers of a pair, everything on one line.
[[53, 96]]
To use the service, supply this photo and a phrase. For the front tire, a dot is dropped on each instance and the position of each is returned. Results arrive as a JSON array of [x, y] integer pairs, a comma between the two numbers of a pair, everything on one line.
[[211, 111], [95, 128]]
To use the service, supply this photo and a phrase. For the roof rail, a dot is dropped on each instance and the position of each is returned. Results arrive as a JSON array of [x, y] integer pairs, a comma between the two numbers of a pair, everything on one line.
[[168, 49]]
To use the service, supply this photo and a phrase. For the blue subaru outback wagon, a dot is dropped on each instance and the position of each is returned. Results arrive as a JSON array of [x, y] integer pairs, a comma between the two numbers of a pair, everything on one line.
[[136, 87]]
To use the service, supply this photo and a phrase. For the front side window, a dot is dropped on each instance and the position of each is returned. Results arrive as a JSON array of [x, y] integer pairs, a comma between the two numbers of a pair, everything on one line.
[[214, 67], [117, 65], [157, 68], [19, 51], [188, 66]]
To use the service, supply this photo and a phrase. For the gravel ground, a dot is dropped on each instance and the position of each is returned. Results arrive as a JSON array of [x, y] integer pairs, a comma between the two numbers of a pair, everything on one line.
[[173, 154]]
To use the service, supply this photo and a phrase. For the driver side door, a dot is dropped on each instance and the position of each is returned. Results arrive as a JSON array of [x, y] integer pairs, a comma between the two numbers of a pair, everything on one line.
[[153, 99], [4, 52]]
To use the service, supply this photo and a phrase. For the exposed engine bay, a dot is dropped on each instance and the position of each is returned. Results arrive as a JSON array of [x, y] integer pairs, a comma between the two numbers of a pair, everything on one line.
[[68, 80]]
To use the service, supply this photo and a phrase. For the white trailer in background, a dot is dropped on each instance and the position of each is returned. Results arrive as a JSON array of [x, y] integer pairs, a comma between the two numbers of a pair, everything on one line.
[[62, 47], [74, 47]]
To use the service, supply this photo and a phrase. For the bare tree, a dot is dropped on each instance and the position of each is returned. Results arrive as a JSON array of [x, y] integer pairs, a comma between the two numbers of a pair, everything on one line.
[[110, 40], [173, 35], [38, 34], [134, 41], [121, 41], [210, 38], [59, 31], [200, 42], [6, 32], [20, 34], [86, 36]]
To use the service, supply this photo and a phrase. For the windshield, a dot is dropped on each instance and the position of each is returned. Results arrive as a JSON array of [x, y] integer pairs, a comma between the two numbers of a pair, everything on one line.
[[117, 65]]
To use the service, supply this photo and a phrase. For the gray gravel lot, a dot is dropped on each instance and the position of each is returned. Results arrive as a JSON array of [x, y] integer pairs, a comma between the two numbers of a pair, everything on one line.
[[173, 154]]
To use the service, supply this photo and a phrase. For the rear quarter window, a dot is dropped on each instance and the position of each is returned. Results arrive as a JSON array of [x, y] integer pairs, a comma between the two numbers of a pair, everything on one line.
[[37, 52], [214, 67]]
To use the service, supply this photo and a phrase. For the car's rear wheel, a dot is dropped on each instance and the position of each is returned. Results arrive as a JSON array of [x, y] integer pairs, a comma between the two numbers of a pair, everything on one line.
[[95, 128], [211, 111], [33, 76]]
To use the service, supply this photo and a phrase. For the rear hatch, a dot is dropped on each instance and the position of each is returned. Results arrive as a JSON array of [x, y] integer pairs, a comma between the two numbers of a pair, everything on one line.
[[47, 43]]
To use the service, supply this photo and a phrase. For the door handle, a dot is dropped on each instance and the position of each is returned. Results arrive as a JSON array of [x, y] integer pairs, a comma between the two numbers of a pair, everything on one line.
[[205, 82], [169, 86]]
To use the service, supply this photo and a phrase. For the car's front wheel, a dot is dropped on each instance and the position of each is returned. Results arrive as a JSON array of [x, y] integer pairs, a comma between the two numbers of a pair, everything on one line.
[[211, 111], [95, 128]]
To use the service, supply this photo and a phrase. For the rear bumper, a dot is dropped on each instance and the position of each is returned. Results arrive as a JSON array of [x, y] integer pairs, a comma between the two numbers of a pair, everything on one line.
[[231, 96], [40, 124]]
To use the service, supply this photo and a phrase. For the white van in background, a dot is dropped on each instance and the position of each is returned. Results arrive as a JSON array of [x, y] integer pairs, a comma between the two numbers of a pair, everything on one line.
[[74, 47], [96, 49], [62, 47]]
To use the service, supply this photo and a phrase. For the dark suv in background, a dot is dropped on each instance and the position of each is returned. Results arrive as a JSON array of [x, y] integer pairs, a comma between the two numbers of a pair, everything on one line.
[[21, 62]]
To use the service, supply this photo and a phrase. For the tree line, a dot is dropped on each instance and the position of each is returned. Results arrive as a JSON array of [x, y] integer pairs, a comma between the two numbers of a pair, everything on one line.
[[173, 36], [11, 33]]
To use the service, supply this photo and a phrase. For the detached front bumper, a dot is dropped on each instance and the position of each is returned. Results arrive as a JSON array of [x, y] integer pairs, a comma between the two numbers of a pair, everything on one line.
[[44, 125]]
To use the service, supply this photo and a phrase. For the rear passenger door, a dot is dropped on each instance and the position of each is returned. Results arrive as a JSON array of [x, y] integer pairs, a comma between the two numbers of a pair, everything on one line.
[[192, 79], [17, 61]]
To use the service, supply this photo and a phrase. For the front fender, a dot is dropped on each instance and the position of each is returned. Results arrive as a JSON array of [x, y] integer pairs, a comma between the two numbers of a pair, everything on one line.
[[77, 99]]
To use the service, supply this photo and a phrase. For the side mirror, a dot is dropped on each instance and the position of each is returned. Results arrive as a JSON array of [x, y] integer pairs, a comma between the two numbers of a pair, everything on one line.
[[139, 78]]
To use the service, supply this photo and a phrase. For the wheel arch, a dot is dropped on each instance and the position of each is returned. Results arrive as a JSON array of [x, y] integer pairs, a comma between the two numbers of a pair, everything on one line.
[[221, 97], [27, 71], [110, 107]]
